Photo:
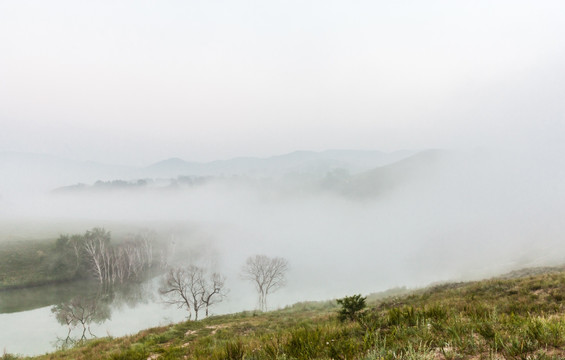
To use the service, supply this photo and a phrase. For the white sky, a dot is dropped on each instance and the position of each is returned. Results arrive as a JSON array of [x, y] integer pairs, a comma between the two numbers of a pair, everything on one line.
[[134, 82]]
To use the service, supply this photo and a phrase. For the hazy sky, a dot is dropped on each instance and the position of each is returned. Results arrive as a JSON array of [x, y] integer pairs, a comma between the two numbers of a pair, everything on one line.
[[134, 82]]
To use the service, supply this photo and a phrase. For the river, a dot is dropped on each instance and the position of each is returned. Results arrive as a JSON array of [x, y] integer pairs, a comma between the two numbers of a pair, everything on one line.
[[32, 321]]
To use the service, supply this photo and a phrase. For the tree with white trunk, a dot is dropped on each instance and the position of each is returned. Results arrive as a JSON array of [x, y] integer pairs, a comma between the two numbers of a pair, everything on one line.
[[267, 274]]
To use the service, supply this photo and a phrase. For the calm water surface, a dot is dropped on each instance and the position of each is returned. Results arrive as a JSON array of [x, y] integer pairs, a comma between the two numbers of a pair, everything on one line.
[[29, 326]]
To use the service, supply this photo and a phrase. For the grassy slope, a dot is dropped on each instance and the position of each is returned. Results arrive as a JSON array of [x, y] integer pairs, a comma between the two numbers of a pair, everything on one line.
[[27, 263], [504, 318]]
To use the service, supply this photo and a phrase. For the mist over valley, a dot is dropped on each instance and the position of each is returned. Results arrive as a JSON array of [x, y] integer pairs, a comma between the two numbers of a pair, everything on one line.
[[346, 220], [282, 179]]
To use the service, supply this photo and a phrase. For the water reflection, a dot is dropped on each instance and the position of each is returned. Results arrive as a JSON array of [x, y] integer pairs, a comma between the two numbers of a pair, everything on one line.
[[18, 300], [80, 312], [95, 307], [77, 312]]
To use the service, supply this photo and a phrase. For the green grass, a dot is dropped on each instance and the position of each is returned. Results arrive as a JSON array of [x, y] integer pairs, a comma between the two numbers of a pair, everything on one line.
[[29, 263], [512, 318]]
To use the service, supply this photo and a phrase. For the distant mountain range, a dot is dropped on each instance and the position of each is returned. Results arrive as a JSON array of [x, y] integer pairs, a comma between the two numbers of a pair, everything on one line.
[[379, 180], [349, 172], [309, 162], [299, 172]]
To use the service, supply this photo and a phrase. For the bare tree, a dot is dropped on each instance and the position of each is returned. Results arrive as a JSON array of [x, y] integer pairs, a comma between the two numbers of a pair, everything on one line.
[[213, 290], [183, 287], [146, 239], [110, 263], [121, 264], [76, 241], [81, 310], [267, 274], [134, 259], [96, 244]]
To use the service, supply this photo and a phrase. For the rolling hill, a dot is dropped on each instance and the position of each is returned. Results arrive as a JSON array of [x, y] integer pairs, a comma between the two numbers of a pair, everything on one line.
[[508, 317]]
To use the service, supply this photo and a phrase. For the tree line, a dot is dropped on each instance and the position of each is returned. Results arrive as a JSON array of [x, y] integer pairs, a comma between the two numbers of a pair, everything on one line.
[[93, 255]]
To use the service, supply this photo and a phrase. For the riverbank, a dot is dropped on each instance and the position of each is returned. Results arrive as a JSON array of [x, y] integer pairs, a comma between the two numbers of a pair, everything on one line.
[[30, 263], [518, 316], [89, 255]]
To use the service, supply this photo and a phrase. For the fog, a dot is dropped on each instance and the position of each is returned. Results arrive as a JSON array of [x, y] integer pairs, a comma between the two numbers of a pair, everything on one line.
[[96, 92], [437, 216], [135, 83]]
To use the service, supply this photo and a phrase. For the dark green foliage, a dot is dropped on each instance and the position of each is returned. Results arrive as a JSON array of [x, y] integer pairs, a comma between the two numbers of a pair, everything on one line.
[[435, 313], [68, 260], [486, 330], [304, 343], [370, 320], [403, 316], [234, 350], [351, 306]]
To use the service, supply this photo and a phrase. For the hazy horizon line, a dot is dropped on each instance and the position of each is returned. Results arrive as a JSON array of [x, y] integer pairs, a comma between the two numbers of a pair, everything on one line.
[[182, 158]]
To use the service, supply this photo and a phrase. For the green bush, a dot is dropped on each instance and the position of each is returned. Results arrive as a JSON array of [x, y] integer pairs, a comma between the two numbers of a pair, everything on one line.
[[350, 306]]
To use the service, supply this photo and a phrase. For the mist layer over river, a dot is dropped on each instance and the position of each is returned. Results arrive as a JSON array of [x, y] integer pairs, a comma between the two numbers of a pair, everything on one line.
[[423, 220], [463, 217]]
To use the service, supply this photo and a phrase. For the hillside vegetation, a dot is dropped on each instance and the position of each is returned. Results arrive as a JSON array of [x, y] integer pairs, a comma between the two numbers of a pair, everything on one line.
[[29, 263], [91, 255], [515, 317]]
